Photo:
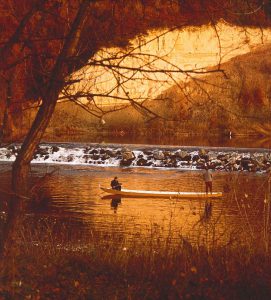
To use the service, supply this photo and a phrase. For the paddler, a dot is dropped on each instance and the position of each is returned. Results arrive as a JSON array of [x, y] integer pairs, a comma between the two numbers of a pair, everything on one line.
[[115, 184]]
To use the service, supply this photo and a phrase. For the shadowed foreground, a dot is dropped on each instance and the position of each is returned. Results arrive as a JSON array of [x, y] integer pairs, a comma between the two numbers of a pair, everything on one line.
[[52, 259], [59, 264]]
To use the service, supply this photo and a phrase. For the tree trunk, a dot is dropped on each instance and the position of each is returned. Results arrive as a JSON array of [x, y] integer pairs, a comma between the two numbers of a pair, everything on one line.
[[7, 127], [20, 173], [21, 165]]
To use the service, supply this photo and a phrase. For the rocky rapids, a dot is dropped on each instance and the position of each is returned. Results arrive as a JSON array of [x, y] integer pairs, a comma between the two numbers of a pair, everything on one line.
[[186, 158]]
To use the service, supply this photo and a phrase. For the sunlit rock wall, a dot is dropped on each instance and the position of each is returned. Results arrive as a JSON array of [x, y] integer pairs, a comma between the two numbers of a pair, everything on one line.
[[166, 57]]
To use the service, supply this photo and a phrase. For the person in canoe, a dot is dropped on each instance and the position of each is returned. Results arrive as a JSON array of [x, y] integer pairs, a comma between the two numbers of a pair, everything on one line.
[[115, 184], [208, 179]]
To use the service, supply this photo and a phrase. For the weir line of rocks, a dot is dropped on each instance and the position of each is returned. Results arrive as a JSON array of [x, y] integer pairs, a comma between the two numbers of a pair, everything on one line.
[[157, 157]]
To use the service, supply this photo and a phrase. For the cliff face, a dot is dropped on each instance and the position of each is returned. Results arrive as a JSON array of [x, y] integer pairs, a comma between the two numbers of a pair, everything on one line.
[[180, 51], [43, 30], [236, 101]]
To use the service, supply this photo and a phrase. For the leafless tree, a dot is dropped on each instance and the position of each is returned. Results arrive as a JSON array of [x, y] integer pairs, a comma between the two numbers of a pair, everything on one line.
[[73, 31]]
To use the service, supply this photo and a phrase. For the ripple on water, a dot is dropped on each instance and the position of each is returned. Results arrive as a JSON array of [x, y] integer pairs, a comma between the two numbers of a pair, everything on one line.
[[73, 198]]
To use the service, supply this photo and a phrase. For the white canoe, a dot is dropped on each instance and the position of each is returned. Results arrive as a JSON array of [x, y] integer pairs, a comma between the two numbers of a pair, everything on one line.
[[160, 194]]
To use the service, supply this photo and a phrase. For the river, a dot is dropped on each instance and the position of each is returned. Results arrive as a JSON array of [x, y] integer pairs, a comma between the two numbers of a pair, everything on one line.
[[71, 196]]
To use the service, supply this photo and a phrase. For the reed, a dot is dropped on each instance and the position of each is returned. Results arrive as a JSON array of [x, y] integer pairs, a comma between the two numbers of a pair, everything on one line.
[[54, 261]]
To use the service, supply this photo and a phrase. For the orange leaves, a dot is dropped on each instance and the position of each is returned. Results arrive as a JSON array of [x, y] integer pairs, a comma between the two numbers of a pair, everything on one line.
[[108, 23]]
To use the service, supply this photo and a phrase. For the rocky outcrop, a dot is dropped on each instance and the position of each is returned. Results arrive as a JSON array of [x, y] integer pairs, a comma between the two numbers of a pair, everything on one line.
[[127, 158], [157, 157]]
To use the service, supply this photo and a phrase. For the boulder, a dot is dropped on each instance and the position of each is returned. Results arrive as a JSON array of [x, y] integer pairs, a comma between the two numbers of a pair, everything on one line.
[[167, 154], [181, 154], [93, 151], [159, 155], [95, 157], [232, 161], [55, 149], [203, 152], [143, 162], [126, 163], [42, 151], [70, 158], [212, 156], [11, 148], [14, 150], [195, 158], [105, 157], [171, 163], [86, 150], [102, 151], [147, 152], [245, 163], [128, 155], [110, 152], [200, 165], [86, 157], [223, 157]]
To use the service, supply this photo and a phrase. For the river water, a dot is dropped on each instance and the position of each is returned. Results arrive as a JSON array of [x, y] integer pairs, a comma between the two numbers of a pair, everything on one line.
[[71, 196]]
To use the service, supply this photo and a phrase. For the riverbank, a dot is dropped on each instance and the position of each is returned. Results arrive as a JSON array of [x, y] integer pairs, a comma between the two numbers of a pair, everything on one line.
[[104, 268], [224, 253]]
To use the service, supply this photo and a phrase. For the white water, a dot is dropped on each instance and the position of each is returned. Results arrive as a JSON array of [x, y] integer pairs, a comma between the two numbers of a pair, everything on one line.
[[111, 155]]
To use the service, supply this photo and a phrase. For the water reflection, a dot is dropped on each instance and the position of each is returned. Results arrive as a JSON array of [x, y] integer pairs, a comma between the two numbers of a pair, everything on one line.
[[73, 196], [115, 202], [184, 140], [207, 213]]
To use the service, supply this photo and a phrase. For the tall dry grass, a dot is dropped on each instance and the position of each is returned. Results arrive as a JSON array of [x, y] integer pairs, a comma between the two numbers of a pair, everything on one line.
[[55, 261]]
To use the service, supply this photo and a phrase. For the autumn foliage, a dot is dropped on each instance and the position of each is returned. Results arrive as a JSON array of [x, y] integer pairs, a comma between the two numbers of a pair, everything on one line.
[[33, 33]]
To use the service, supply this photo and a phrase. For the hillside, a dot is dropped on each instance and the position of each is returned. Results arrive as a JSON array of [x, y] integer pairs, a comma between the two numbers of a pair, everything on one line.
[[236, 101], [69, 120]]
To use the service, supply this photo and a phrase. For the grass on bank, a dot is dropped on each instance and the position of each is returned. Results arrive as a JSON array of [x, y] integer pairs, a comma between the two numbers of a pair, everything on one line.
[[52, 262], [105, 269]]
